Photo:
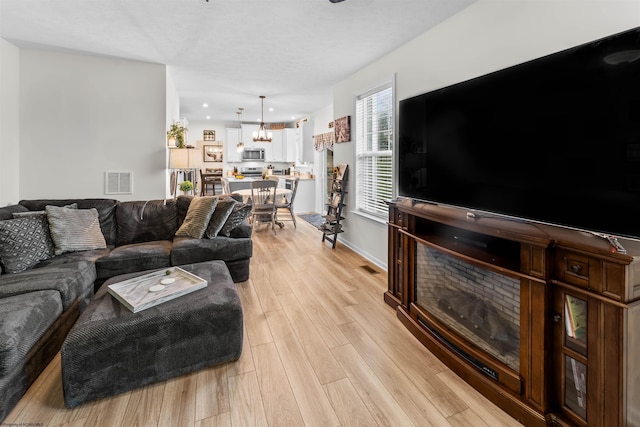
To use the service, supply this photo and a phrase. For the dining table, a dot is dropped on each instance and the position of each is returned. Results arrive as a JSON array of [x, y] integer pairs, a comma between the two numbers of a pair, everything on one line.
[[280, 193], [283, 195]]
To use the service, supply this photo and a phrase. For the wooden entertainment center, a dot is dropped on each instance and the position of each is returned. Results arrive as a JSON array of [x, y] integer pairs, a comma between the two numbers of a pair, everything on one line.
[[577, 311]]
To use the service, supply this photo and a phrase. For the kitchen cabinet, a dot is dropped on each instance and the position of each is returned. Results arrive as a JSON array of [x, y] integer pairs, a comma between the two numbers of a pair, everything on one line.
[[282, 147], [289, 141], [231, 145], [305, 196], [305, 142], [273, 149]]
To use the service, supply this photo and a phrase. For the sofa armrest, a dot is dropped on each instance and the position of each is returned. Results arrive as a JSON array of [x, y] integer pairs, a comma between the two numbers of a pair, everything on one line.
[[242, 230]]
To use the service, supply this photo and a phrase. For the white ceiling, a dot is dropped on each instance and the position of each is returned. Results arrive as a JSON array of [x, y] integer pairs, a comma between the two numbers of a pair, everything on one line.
[[228, 52]]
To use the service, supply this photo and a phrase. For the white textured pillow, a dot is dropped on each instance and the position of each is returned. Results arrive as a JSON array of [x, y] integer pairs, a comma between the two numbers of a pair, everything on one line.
[[74, 229]]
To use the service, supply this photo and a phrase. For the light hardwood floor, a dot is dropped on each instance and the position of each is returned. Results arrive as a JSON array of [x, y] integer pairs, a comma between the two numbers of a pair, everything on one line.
[[321, 348]]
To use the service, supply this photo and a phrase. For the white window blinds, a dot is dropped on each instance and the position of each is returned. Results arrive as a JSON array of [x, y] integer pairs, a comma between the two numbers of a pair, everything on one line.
[[374, 144]]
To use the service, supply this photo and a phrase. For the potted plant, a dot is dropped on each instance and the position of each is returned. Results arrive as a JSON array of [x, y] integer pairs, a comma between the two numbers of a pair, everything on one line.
[[186, 186], [177, 132]]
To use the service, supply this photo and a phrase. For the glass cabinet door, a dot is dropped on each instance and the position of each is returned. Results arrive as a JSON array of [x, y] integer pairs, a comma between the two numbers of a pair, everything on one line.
[[575, 386], [572, 355], [575, 322]]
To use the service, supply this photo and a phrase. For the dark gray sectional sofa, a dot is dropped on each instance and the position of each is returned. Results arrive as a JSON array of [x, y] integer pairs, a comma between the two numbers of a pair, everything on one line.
[[38, 306]]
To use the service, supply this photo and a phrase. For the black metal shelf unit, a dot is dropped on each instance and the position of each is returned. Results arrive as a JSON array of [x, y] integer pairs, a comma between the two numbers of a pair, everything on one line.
[[331, 226]]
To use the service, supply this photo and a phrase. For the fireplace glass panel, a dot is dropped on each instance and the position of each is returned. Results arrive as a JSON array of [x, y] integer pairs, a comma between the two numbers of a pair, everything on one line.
[[478, 304]]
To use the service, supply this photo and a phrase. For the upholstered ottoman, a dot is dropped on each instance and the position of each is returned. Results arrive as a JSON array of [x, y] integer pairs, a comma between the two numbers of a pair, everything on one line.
[[111, 350]]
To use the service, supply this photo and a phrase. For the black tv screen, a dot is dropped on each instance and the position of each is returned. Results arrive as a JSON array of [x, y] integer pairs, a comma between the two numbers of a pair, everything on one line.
[[554, 140]]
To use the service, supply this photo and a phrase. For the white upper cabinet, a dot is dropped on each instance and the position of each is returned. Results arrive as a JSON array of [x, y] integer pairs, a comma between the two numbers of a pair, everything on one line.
[[289, 139], [305, 142], [273, 151]]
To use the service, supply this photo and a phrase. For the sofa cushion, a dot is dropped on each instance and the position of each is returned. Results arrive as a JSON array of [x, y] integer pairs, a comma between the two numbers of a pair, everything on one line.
[[70, 280], [6, 212], [75, 229], [198, 216], [135, 257], [219, 217], [105, 207], [24, 242], [146, 221], [187, 250], [25, 319], [237, 216]]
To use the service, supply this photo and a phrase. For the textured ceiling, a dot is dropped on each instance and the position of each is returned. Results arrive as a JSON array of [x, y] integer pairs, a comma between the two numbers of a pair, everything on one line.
[[228, 52]]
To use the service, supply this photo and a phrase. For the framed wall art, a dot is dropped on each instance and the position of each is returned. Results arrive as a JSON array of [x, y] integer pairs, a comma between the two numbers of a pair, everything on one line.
[[212, 153], [342, 129], [209, 135]]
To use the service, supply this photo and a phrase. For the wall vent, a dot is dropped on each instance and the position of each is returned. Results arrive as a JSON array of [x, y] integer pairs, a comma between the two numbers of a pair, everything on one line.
[[118, 182]]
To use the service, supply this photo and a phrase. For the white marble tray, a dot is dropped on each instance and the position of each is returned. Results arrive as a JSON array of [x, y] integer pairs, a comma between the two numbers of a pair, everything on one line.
[[136, 293]]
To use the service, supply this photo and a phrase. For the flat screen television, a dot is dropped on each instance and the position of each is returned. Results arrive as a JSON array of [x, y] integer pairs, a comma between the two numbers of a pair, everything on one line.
[[554, 140]]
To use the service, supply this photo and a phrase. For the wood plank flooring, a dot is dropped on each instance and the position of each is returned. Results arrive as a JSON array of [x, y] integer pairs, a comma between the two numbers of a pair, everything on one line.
[[321, 348]]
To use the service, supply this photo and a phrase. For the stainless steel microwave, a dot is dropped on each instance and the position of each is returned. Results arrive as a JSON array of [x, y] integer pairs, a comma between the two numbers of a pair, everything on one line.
[[253, 155]]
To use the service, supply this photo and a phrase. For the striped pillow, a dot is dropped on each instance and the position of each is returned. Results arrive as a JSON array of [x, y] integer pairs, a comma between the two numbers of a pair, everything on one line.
[[74, 229], [198, 216]]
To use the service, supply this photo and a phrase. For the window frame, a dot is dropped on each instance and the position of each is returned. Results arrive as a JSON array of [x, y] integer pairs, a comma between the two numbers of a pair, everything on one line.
[[372, 208]]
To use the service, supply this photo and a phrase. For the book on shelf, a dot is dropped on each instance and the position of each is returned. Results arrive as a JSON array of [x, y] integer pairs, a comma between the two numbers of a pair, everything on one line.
[[580, 381], [575, 315]]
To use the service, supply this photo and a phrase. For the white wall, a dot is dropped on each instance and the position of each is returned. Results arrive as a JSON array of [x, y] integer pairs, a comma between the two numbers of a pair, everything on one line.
[[9, 122], [82, 115], [321, 120], [487, 36]]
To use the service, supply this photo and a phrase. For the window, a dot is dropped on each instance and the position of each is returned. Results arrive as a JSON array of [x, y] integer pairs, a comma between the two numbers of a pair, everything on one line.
[[374, 144]]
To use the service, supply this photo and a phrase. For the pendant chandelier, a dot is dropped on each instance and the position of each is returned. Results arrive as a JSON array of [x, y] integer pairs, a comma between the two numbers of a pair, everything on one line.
[[262, 135], [240, 146]]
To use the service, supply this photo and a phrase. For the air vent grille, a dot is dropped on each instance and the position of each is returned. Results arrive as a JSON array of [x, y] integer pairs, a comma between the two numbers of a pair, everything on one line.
[[118, 182]]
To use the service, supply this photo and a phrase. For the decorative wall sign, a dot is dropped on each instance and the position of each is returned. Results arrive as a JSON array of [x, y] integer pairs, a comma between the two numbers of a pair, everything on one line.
[[209, 135], [342, 129]]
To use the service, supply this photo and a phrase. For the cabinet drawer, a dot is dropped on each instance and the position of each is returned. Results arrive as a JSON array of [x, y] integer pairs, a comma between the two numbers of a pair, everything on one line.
[[574, 268], [606, 278]]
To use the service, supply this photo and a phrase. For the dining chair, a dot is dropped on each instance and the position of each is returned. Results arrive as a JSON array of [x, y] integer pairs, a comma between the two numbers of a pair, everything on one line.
[[263, 203], [225, 186], [283, 204], [207, 181]]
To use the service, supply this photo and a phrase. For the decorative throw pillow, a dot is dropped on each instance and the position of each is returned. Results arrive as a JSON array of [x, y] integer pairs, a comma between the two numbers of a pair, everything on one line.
[[24, 242], [239, 213], [198, 216], [74, 229], [219, 217]]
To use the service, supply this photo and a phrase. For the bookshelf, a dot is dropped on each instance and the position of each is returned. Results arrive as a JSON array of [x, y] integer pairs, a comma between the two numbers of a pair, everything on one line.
[[332, 226]]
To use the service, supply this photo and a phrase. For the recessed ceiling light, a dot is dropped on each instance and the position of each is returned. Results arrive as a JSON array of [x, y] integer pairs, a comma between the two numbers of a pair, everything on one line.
[[271, 109], [205, 105], [293, 117], [208, 117]]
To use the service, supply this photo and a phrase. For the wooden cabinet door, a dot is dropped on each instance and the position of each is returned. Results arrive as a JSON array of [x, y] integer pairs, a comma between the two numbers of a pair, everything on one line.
[[587, 358]]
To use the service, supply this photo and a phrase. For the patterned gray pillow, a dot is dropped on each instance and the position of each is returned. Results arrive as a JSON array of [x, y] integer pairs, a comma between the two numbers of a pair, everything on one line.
[[74, 229], [219, 217], [239, 213], [198, 216], [24, 242]]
